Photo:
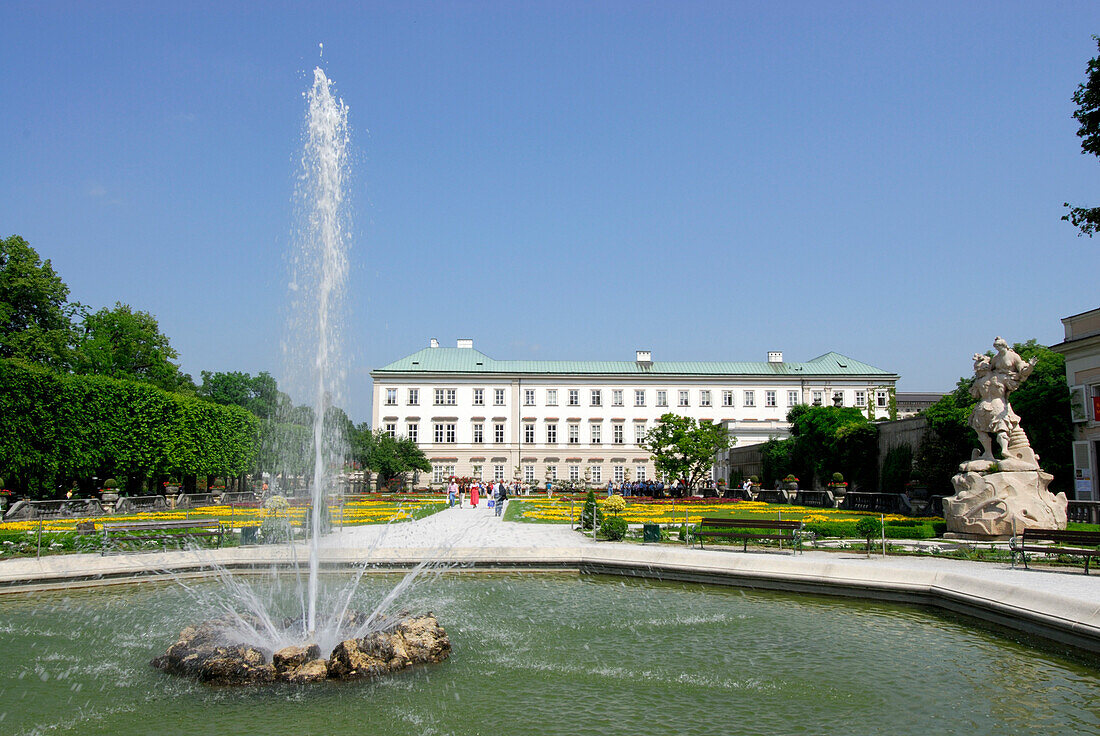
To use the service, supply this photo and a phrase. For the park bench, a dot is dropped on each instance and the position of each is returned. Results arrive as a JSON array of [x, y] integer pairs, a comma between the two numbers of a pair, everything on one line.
[[1058, 541], [144, 531], [746, 529]]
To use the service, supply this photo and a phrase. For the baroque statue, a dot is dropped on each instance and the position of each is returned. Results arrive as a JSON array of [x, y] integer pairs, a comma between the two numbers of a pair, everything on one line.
[[1001, 496]]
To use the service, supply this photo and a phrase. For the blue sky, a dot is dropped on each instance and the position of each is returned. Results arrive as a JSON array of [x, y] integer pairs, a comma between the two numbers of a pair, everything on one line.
[[568, 180]]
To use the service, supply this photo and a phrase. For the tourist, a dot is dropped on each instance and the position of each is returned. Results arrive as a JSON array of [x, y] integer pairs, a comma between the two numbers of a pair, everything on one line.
[[475, 491], [610, 488], [452, 491], [501, 496]]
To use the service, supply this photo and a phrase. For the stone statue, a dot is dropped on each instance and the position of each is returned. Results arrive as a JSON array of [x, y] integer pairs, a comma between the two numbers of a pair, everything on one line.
[[997, 497]]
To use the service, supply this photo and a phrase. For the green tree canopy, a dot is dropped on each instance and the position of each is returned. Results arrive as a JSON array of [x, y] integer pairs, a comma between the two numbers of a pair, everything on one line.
[[35, 317], [831, 439], [124, 343], [1087, 99], [685, 448], [390, 457], [259, 395]]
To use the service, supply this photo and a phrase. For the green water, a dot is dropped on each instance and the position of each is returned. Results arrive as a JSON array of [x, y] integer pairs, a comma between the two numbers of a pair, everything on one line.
[[560, 654]]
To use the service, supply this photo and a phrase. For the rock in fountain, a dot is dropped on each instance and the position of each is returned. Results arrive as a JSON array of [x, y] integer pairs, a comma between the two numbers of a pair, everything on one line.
[[202, 652], [999, 497]]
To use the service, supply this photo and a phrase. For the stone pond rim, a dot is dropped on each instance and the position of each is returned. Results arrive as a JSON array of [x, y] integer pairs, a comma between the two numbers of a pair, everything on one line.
[[199, 654]]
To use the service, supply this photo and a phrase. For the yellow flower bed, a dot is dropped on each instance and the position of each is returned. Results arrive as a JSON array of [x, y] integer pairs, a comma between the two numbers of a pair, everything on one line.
[[559, 510], [367, 510]]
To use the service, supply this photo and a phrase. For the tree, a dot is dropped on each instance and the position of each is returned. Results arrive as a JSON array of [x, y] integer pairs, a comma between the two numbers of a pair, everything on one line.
[[35, 317], [123, 343], [685, 448], [390, 457], [832, 439], [1087, 99]]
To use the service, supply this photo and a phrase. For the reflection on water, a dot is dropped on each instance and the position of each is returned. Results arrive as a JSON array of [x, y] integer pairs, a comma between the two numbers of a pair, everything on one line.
[[560, 654]]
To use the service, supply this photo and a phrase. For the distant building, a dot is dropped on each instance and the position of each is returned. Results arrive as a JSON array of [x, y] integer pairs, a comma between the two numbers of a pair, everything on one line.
[[912, 403], [476, 416], [1082, 350]]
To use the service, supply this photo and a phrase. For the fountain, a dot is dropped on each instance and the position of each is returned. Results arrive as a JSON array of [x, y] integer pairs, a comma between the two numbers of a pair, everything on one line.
[[252, 645]]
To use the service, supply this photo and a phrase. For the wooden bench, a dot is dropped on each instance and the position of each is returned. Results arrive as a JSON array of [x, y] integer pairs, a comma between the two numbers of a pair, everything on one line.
[[1059, 541], [143, 531], [746, 529]]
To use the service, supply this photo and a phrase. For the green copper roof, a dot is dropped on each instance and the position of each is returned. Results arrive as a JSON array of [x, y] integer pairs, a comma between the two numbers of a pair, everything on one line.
[[468, 360]]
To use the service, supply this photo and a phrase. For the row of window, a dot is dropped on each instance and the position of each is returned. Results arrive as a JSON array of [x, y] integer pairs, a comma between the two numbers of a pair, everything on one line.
[[443, 472], [449, 397], [446, 433]]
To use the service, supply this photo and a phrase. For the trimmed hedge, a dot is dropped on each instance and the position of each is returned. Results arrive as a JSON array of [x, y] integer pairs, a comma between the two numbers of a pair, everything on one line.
[[58, 428]]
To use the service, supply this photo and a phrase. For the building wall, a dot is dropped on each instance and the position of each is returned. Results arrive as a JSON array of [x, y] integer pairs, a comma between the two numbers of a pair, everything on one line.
[[748, 424], [1082, 350]]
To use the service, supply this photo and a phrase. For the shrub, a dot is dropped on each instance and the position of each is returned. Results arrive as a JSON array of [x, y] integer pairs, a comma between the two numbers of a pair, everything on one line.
[[591, 510], [838, 477], [614, 505], [754, 480], [868, 527], [110, 484], [614, 528]]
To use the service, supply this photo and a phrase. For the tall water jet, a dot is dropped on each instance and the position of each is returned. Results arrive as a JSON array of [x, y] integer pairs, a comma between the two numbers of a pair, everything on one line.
[[318, 279]]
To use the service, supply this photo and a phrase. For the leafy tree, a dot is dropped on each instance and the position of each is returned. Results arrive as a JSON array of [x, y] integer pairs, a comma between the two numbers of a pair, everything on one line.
[[776, 460], [123, 343], [389, 457], [259, 395], [830, 439], [1087, 99], [685, 448], [35, 317]]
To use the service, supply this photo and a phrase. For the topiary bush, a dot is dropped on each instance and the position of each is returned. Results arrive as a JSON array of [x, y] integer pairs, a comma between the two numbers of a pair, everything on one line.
[[838, 477], [591, 510], [614, 505], [614, 528], [110, 484]]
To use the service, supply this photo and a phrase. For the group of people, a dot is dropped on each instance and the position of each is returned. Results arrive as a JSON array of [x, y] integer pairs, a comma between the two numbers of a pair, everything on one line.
[[496, 492]]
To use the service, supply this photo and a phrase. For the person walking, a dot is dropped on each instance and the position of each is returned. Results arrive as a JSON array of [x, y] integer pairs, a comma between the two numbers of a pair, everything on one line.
[[452, 491], [474, 493], [500, 497]]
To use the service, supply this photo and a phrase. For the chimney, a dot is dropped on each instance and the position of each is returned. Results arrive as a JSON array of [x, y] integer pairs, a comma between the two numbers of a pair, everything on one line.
[[775, 356], [644, 357], [433, 343], [467, 344]]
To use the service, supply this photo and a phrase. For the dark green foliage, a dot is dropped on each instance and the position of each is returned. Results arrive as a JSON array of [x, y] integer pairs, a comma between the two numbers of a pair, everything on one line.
[[869, 527], [823, 439], [36, 323], [1087, 99], [591, 508], [683, 447], [57, 429], [614, 528], [776, 460], [838, 477], [390, 457], [897, 468]]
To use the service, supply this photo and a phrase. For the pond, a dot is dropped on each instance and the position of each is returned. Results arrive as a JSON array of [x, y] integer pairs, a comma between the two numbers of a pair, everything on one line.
[[559, 654]]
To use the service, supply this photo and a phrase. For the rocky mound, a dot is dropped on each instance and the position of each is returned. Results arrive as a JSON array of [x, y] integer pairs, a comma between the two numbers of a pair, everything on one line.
[[198, 654]]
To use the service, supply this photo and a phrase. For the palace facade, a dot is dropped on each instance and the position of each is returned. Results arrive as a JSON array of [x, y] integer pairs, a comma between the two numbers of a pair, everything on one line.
[[499, 419]]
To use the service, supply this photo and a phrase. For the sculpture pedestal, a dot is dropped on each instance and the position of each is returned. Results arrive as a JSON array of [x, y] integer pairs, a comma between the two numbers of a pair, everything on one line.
[[998, 505]]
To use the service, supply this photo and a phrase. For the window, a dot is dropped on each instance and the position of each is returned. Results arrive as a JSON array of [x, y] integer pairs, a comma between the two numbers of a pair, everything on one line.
[[498, 472], [479, 397], [597, 474], [391, 397], [529, 433], [551, 397], [880, 399], [792, 398], [391, 429], [639, 397], [597, 397], [574, 472], [412, 431], [479, 433], [574, 434], [528, 473], [528, 397], [838, 398], [704, 398], [641, 473], [617, 397], [597, 433], [574, 397], [617, 434], [442, 473], [662, 398], [498, 433], [769, 398], [551, 434], [750, 399], [479, 472], [639, 432], [861, 398], [498, 397], [552, 472], [444, 433], [684, 398], [414, 397], [817, 398], [445, 396], [438, 433], [727, 398], [619, 473]]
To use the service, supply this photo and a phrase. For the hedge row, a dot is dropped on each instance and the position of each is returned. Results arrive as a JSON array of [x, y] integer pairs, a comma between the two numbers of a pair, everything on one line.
[[59, 428]]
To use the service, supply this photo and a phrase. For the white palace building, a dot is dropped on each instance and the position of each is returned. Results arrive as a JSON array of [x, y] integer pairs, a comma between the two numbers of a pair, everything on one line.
[[476, 416]]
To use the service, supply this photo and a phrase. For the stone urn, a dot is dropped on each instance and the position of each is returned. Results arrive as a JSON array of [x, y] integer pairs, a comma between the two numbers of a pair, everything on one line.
[[839, 490], [788, 485]]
